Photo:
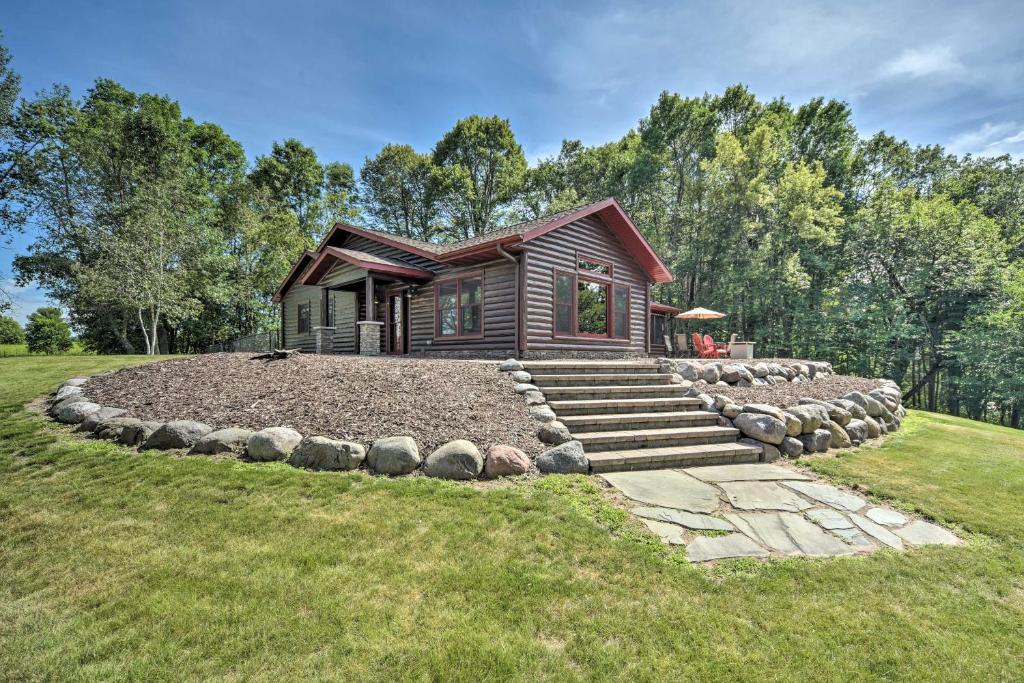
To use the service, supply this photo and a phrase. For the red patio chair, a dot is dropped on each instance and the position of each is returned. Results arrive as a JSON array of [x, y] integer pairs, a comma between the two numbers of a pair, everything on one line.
[[701, 349], [718, 350]]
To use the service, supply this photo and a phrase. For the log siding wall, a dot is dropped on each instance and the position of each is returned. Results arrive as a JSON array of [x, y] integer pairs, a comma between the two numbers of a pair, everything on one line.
[[558, 250]]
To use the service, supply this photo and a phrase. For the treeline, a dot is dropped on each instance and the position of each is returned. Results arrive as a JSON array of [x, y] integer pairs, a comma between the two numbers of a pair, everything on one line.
[[157, 234]]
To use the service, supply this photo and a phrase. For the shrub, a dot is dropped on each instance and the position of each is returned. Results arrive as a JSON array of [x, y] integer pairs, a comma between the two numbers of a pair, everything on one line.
[[10, 331], [47, 332]]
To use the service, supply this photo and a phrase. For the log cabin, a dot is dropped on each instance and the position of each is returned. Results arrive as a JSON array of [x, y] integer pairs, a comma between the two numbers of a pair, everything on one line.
[[574, 284]]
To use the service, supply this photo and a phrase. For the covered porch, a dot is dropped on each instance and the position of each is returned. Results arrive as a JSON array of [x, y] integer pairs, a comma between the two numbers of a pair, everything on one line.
[[364, 302]]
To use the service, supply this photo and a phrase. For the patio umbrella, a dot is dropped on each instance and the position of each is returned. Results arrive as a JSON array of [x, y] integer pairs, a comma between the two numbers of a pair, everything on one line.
[[700, 314]]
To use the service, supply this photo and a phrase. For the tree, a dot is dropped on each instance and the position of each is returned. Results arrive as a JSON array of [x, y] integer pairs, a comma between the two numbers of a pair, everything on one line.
[[400, 192], [47, 332], [10, 331], [481, 173], [11, 144]]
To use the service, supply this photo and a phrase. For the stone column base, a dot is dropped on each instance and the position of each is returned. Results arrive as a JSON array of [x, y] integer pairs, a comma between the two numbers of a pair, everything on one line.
[[370, 332]]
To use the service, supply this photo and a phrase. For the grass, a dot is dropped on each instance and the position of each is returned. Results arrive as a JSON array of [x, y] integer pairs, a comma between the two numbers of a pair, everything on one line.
[[124, 566]]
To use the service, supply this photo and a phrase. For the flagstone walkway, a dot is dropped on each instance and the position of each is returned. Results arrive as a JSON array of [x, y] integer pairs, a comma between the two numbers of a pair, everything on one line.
[[763, 510]]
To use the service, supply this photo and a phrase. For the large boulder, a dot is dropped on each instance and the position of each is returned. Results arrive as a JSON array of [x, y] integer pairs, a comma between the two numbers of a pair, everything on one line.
[[710, 374], [760, 370], [874, 430], [857, 430], [856, 410], [811, 417], [504, 461], [177, 434], [554, 433], [522, 377], [66, 391], [76, 412], [458, 459], [890, 403], [721, 401], [706, 402], [510, 365], [534, 398], [57, 405], [542, 413], [691, 370], [745, 375], [835, 413], [112, 428], [136, 435], [272, 443], [75, 382], [840, 439], [731, 411], [394, 455], [761, 427], [90, 423], [230, 440], [870, 405], [792, 447], [525, 388], [324, 453], [817, 441], [568, 458], [730, 373], [769, 452], [794, 427], [765, 409]]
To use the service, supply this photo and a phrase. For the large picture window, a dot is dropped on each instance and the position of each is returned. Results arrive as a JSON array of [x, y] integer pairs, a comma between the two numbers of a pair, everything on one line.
[[459, 306], [303, 318], [589, 307]]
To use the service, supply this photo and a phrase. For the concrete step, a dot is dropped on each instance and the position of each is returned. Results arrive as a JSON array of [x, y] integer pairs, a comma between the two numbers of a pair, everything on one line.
[[625, 421], [654, 438], [601, 392], [622, 405], [589, 367], [602, 378], [674, 456]]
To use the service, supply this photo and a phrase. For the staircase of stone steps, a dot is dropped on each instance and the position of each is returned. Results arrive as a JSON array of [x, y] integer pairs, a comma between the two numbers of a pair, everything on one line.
[[629, 416]]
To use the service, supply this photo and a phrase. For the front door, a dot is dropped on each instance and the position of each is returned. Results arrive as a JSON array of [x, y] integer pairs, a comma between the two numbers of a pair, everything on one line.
[[397, 341]]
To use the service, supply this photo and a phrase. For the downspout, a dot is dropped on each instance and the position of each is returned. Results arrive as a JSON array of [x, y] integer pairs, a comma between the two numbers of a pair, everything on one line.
[[507, 256]]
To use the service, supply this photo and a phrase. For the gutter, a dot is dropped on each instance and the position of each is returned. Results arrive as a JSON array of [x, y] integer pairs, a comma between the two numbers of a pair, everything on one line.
[[507, 256]]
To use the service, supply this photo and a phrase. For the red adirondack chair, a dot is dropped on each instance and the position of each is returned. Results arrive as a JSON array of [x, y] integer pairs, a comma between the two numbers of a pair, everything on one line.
[[719, 349], [702, 349]]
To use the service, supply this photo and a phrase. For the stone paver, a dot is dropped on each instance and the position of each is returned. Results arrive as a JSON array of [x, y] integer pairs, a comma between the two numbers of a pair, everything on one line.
[[763, 495], [878, 532], [746, 472], [666, 488], [789, 533], [827, 518], [721, 547], [855, 537], [828, 494], [885, 517], [668, 533], [689, 520], [926, 533]]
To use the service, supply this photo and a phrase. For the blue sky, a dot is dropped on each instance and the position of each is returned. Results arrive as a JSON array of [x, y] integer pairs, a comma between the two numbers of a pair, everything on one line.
[[348, 78]]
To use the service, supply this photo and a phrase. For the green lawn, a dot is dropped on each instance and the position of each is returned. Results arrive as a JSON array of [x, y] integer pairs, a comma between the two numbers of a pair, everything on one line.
[[117, 565]]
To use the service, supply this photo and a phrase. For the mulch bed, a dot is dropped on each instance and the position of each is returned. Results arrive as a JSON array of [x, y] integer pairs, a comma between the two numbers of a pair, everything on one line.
[[346, 397]]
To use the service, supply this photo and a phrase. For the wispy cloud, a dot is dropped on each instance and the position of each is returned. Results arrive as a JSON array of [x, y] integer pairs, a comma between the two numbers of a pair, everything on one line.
[[991, 139], [935, 60]]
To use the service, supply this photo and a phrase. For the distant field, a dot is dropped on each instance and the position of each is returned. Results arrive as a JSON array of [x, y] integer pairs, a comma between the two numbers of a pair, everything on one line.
[[118, 565]]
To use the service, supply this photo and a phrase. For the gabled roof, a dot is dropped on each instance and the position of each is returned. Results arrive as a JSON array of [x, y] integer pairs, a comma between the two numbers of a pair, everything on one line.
[[608, 209], [297, 268], [360, 259]]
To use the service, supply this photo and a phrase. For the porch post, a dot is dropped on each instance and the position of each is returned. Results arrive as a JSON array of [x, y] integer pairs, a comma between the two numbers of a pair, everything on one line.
[[370, 331]]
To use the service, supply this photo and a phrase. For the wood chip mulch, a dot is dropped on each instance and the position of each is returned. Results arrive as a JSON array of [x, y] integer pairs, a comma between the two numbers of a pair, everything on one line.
[[346, 397]]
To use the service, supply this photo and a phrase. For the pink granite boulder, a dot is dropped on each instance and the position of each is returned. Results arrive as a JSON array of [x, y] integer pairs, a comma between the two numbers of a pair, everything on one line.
[[503, 461]]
